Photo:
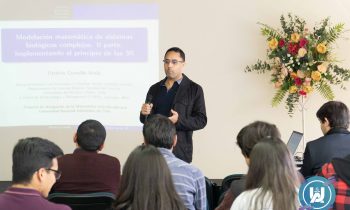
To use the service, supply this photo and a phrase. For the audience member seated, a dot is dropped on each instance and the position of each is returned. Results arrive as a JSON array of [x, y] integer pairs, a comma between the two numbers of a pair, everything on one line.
[[87, 170], [334, 120], [272, 180], [247, 137], [189, 181], [34, 171], [338, 172], [146, 183]]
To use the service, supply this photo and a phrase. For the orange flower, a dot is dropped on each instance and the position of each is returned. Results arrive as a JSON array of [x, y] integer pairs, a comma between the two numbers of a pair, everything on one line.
[[307, 89], [321, 48], [293, 75], [273, 43], [316, 75], [293, 89], [295, 37]]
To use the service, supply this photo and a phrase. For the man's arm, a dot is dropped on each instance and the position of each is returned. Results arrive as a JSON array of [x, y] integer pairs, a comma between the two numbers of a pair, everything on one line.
[[198, 117], [226, 203], [200, 198], [306, 168], [117, 165], [146, 108]]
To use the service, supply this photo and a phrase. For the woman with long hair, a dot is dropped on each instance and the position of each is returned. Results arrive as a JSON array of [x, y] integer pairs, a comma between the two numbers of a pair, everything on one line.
[[272, 179], [146, 183]]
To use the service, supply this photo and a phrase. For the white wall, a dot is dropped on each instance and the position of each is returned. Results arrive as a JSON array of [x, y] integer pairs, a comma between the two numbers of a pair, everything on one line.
[[219, 38]]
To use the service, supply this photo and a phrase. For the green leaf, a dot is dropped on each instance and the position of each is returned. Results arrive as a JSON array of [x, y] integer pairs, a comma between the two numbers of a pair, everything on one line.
[[291, 102], [337, 75], [320, 32], [292, 25], [278, 98], [325, 90], [333, 33], [269, 31], [259, 66]]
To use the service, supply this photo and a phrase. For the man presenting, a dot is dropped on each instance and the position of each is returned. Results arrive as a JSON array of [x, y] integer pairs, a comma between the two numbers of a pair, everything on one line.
[[180, 99]]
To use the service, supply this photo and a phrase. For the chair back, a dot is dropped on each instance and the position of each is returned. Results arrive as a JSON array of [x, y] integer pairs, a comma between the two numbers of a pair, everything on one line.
[[212, 190], [226, 183], [85, 201]]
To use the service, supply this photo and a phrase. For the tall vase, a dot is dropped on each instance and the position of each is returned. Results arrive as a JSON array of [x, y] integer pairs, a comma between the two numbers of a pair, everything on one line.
[[303, 109]]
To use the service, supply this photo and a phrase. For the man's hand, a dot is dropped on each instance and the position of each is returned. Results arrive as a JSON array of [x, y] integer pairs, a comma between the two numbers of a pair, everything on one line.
[[174, 117], [146, 109]]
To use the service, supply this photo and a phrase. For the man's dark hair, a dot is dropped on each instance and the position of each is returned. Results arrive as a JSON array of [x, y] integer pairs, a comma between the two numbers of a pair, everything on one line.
[[91, 134], [251, 134], [336, 112], [31, 154], [159, 131], [177, 50]]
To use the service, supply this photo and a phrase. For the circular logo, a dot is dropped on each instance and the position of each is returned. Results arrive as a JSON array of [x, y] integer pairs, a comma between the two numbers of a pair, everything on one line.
[[317, 193]]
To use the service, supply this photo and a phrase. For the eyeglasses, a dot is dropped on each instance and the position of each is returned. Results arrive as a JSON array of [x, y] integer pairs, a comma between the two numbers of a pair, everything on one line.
[[58, 173], [174, 62]]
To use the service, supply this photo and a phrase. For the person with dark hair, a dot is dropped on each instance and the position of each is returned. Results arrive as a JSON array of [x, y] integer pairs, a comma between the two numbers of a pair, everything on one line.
[[251, 134], [189, 181], [34, 171], [247, 138], [334, 121], [146, 183], [180, 99], [87, 170], [272, 180]]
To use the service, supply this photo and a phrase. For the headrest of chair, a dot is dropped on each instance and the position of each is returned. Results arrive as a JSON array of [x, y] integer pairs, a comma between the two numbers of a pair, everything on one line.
[[81, 195]]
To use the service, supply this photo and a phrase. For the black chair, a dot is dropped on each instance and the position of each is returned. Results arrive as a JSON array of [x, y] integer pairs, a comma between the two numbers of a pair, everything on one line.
[[226, 183], [212, 190], [85, 201], [210, 193]]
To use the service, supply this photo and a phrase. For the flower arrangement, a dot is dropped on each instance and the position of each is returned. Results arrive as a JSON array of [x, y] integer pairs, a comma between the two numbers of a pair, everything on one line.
[[301, 61]]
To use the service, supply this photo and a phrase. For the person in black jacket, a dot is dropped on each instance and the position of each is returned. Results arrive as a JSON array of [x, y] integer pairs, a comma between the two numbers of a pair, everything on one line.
[[334, 120], [180, 99]]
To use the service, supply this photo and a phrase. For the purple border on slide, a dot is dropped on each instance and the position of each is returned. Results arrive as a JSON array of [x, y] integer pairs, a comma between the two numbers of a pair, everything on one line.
[[91, 45], [107, 127], [115, 12]]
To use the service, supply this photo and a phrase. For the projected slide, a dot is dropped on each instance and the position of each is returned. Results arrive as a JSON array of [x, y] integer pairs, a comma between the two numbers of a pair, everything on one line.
[[98, 65]]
